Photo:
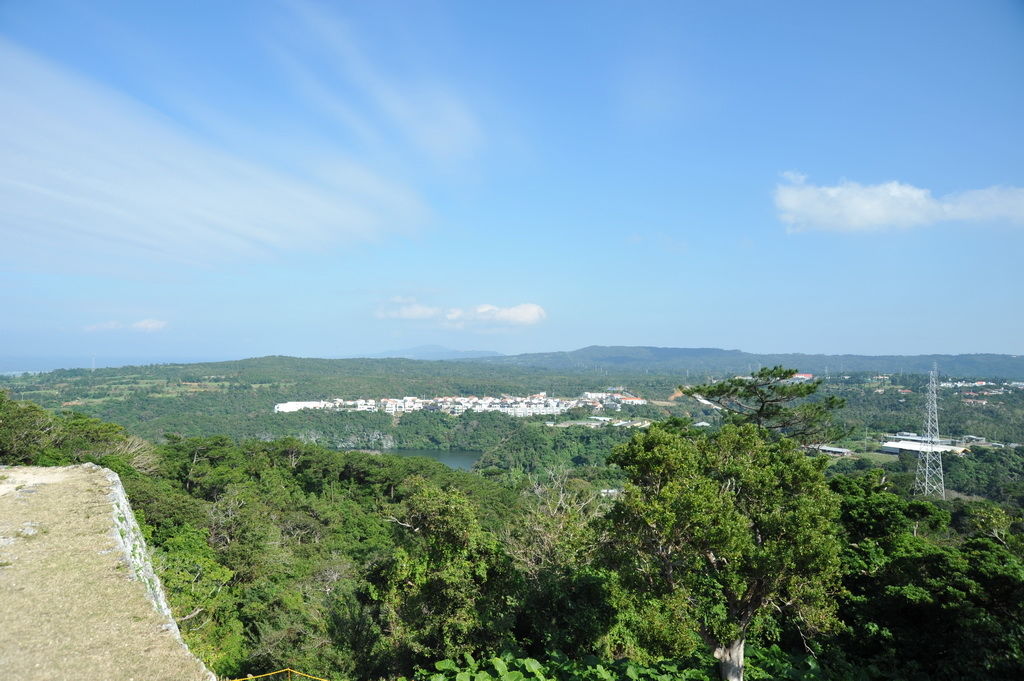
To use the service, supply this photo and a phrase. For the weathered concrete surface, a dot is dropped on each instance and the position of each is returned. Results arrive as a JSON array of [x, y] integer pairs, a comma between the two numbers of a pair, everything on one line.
[[78, 597]]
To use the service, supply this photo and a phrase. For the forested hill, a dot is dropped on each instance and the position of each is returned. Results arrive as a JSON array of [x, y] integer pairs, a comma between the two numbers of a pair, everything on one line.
[[553, 369], [281, 378], [641, 359], [237, 399]]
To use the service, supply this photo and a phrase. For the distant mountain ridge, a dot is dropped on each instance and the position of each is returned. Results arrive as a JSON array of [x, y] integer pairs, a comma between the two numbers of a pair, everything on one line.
[[434, 352], [660, 360], [697, 363]]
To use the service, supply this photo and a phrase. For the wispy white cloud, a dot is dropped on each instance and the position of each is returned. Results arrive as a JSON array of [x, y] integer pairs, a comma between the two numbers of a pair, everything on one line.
[[854, 207], [143, 325], [411, 310], [104, 326], [87, 169], [149, 325], [366, 99], [524, 314]]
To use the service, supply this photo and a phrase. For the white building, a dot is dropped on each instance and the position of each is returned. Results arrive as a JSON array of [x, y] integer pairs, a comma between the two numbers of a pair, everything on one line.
[[285, 407], [899, 446], [533, 405]]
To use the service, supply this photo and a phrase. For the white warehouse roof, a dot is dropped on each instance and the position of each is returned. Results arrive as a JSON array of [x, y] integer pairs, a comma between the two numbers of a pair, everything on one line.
[[908, 446]]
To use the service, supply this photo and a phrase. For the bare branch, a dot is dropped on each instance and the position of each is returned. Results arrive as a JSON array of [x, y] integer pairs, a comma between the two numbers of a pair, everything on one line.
[[393, 519]]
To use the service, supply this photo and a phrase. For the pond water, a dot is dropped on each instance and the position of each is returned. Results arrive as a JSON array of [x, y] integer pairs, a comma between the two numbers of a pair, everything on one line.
[[459, 459]]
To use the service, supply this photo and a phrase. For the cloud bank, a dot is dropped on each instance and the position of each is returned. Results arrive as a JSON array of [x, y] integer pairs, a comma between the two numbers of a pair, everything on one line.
[[524, 314], [854, 207]]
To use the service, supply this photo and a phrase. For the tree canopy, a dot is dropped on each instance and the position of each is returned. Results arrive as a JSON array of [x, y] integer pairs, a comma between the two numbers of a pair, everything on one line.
[[772, 398], [357, 566], [737, 525]]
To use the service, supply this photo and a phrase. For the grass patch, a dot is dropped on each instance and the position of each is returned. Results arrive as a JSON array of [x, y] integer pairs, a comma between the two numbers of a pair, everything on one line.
[[878, 457]]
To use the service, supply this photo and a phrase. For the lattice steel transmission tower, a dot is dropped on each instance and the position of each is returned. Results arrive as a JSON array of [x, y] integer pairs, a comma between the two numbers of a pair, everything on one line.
[[929, 480]]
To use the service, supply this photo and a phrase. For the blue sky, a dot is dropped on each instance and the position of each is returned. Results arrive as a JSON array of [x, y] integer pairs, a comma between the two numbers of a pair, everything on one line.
[[217, 180]]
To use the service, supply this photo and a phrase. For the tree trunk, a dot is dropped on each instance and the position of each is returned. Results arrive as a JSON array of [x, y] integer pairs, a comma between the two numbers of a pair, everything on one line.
[[730, 660]]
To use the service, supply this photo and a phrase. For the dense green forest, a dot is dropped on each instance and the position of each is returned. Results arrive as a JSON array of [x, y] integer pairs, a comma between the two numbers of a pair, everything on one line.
[[884, 407], [352, 565], [237, 399]]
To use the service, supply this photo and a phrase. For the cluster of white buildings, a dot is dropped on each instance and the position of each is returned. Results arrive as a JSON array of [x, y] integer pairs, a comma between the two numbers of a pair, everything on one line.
[[986, 387], [600, 422], [964, 384], [532, 405], [615, 400], [334, 405]]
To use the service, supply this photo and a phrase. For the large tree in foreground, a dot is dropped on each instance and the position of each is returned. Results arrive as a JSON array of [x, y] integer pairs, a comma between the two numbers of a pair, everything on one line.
[[738, 525]]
